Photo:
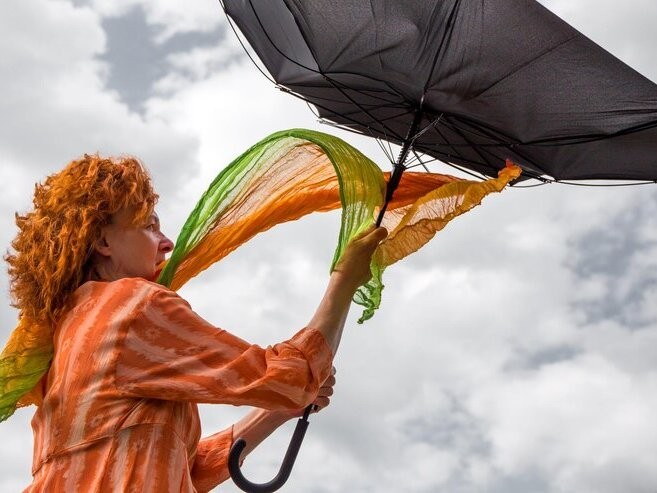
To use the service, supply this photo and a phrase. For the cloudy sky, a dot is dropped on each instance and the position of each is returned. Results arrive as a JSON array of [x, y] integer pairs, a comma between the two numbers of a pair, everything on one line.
[[514, 354]]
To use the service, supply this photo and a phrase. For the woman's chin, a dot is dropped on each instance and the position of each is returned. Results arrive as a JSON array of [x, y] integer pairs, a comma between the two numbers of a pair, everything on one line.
[[158, 269]]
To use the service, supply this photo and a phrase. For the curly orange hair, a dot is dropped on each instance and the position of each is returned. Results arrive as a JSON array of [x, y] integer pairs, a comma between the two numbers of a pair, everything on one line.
[[52, 249]]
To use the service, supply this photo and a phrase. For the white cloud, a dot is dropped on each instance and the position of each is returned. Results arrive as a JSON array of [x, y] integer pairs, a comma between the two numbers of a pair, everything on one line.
[[55, 105], [576, 421]]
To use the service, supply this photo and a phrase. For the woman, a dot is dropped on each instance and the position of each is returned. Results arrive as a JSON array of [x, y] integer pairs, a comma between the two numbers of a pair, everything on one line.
[[131, 359]]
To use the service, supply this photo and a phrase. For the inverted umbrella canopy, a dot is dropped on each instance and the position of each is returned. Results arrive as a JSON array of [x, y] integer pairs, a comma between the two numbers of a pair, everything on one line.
[[484, 82]]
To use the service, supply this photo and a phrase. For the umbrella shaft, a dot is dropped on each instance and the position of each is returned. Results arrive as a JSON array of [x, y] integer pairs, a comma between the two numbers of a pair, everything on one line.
[[399, 168]]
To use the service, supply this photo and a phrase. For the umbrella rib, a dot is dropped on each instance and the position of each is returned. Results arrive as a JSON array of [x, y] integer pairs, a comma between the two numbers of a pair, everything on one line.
[[308, 45], [457, 129], [373, 119], [584, 139], [516, 148], [387, 154], [393, 117], [239, 39], [575, 184], [343, 126], [466, 171], [479, 149], [482, 148], [483, 132], [312, 109], [329, 110], [523, 66], [341, 101], [447, 142], [439, 52], [534, 185], [431, 124], [420, 162], [358, 105], [326, 100]]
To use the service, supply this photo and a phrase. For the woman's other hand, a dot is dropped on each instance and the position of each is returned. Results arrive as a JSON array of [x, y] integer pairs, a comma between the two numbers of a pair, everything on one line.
[[320, 402], [323, 398]]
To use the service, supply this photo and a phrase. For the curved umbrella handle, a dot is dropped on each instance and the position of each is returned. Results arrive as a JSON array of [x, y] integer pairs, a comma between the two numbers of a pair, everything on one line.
[[286, 466]]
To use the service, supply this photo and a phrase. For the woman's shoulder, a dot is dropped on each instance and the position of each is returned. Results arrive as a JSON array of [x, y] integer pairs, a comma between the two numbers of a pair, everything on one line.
[[136, 284], [129, 288]]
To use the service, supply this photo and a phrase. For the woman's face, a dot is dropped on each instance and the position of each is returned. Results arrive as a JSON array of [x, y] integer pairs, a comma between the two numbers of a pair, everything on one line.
[[127, 250]]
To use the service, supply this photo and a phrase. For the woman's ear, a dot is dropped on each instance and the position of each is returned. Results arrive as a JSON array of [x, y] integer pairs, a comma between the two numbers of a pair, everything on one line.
[[102, 246]]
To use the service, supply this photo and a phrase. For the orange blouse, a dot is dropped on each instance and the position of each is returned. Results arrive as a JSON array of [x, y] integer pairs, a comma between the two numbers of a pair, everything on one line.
[[131, 362]]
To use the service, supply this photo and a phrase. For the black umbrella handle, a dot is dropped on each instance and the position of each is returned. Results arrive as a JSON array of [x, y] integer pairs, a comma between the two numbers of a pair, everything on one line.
[[286, 466]]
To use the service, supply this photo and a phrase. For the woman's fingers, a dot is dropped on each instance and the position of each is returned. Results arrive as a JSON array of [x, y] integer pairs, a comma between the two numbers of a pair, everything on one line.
[[364, 233], [320, 403], [372, 236], [329, 382], [354, 265], [325, 392]]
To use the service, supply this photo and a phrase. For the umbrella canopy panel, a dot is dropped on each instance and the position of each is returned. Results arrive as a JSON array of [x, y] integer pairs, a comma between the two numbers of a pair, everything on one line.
[[493, 79]]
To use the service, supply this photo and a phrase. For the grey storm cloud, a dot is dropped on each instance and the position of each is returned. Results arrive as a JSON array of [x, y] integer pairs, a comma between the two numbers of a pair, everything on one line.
[[137, 59]]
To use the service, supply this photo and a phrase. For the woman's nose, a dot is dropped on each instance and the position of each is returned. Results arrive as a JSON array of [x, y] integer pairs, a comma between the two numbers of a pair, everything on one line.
[[166, 245]]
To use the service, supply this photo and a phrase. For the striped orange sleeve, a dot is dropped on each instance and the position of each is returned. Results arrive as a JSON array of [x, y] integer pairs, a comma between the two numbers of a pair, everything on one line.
[[169, 352]]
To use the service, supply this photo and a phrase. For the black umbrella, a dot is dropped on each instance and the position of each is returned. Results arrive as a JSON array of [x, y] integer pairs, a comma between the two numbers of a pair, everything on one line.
[[469, 83], [485, 80]]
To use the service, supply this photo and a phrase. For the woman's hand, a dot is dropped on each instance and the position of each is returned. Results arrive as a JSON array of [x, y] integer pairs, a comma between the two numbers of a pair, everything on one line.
[[260, 423], [354, 266], [323, 398]]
